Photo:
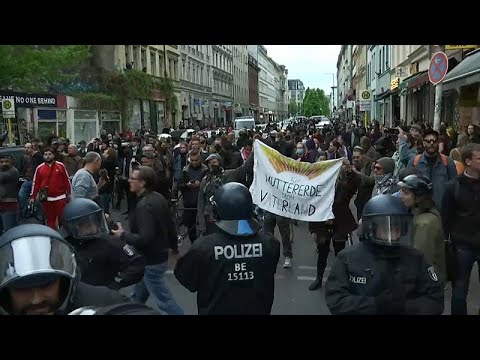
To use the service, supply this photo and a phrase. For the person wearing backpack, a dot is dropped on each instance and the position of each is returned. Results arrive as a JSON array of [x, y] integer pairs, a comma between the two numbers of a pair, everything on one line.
[[437, 167], [416, 194]]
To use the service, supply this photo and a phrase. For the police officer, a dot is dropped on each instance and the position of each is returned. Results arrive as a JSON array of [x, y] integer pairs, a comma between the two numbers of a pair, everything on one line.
[[102, 258], [383, 274], [39, 275], [232, 270]]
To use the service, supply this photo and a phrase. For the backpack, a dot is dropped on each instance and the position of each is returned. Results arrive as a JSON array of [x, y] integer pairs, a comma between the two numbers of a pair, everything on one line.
[[417, 159]]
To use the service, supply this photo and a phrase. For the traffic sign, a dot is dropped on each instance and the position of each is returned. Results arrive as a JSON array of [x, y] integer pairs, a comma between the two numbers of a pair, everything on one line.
[[365, 94], [438, 68], [8, 109]]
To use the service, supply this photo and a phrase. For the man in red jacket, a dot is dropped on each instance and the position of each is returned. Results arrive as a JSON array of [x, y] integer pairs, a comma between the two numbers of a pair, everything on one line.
[[53, 176]]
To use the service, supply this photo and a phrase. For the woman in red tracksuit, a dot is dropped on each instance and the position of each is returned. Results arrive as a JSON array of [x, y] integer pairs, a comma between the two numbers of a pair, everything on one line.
[[58, 187]]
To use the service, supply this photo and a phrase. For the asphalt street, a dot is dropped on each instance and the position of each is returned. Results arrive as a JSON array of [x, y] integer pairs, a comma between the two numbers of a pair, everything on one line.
[[292, 296]]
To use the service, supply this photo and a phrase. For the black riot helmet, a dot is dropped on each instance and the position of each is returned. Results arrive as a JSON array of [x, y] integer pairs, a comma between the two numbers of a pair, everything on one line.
[[386, 221], [420, 185], [35, 256], [83, 219], [117, 309], [233, 209]]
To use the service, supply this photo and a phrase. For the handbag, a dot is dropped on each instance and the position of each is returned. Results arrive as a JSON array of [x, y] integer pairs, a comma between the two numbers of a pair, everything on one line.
[[42, 193]]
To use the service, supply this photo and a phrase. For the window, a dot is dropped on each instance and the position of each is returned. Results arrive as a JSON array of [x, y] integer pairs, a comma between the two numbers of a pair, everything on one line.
[[208, 77], [383, 59], [127, 54], [380, 62], [153, 63], [143, 59], [183, 71], [194, 76], [201, 75]]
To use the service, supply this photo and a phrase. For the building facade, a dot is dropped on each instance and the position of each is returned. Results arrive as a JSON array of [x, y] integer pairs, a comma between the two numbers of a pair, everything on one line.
[[196, 84], [296, 91], [222, 85], [253, 94], [345, 95], [155, 60], [266, 86], [281, 89], [240, 81]]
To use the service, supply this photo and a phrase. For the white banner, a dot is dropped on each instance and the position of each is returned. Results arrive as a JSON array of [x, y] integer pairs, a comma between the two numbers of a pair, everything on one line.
[[296, 190]]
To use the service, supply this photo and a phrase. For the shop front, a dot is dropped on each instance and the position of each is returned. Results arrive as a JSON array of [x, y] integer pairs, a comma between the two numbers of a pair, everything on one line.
[[52, 110], [82, 125], [395, 102], [464, 79]]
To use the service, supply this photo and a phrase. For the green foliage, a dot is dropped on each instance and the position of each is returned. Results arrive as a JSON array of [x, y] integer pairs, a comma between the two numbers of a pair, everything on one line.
[[98, 101], [134, 84], [292, 107], [316, 103], [35, 68]]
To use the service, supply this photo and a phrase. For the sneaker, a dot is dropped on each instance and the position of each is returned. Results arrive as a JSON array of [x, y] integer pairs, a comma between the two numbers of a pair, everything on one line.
[[287, 263]]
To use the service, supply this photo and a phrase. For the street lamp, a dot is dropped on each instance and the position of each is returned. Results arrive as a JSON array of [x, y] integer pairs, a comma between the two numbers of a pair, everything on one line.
[[333, 87]]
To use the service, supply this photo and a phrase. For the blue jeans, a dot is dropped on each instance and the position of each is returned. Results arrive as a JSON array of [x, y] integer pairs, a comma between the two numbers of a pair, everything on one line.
[[466, 257], [23, 196], [8, 220], [154, 284]]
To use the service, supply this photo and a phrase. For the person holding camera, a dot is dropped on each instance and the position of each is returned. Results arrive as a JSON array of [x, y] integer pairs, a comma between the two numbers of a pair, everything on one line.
[[189, 185]]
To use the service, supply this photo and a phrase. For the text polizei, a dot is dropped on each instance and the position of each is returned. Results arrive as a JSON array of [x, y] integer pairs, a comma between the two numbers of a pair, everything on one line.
[[238, 251]]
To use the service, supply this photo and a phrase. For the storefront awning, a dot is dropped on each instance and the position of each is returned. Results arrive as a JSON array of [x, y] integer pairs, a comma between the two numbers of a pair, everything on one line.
[[382, 95], [418, 79], [465, 73]]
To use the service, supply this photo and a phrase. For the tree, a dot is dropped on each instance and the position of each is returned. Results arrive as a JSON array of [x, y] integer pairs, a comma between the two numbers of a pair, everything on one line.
[[38, 67], [292, 107], [316, 103]]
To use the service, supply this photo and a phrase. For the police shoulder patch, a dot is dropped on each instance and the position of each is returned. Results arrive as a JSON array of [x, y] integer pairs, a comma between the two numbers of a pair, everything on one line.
[[128, 250], [432, 273]]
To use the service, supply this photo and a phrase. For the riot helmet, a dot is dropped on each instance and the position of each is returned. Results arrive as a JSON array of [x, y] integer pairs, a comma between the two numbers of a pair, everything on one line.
[[83, 219], [35, 258], [386, 221], [233, 209], [420, 185], [117, 309]]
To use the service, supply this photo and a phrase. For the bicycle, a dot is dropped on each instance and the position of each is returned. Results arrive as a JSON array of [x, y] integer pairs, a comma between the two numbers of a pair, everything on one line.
[[177, 214]]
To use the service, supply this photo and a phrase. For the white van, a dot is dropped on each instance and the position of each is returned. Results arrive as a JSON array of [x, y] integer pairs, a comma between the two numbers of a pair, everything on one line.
[[244, 122]]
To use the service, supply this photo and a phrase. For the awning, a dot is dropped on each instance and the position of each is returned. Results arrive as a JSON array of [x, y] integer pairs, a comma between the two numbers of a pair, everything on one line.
[[418, 79], [465, 73], [382, 95]]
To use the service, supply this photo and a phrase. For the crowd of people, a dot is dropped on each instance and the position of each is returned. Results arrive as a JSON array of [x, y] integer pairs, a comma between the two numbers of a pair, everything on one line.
[[69, 188]]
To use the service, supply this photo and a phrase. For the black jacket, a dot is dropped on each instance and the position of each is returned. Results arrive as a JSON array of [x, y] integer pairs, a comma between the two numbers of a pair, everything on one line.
[[461, 211], [231, 275], [152, 231], [88, 295], [362, 273], [108, 261]]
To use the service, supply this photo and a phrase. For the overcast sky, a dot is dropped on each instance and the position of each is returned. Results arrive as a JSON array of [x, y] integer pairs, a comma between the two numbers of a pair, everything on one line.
[[308, 63]]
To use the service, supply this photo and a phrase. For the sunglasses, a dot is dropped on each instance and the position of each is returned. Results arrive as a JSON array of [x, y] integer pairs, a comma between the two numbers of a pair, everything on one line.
[[431, 141]]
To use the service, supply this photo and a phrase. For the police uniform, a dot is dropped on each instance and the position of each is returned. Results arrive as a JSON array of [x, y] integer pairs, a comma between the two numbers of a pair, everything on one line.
[[383, 274], [103, 259], [233, 270], [108, 261], [360, 274]]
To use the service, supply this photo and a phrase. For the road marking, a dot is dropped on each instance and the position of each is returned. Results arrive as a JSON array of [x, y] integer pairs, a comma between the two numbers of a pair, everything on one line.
[[308, 278], [169, 272], [304, 267]]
